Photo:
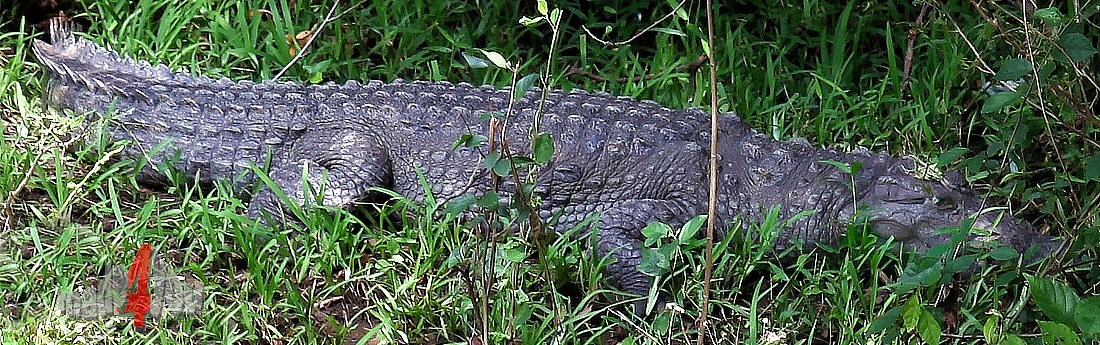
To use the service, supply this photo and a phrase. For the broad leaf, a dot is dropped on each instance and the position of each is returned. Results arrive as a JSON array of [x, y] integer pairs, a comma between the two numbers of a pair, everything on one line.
[[1057, 300], [886, 320], [923, 275], [691, 228], [514, 254], [961, 263], [1056, 333], [911, 316], [1049, 16], [1092, 168], [653, 232], [928, 328], [950, 156], [1004, 253], [524, 84], [497, 59], [459, 204], [469, 140], [653, 262], [1077, 46], [475, 62], [543, 148], [1013, 69], [503, 167], [489, 201], [999, 101], [1087, 315], [543, 8]]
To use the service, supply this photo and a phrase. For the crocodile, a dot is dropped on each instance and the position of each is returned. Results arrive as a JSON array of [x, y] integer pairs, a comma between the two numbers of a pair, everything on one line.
[[620, 164]]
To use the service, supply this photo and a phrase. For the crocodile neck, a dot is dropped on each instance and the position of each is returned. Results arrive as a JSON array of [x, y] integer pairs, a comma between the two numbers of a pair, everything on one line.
[[810, 193]]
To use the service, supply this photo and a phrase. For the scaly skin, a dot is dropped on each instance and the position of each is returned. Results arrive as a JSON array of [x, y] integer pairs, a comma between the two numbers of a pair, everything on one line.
[[628, 162]]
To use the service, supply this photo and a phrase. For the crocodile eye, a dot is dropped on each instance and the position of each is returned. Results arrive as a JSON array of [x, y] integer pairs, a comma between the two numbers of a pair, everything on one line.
[[567, 172], [944, 203], [911, 201]]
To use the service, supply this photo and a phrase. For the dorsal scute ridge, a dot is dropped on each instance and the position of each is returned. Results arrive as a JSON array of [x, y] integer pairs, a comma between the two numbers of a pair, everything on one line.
[[83, 52]]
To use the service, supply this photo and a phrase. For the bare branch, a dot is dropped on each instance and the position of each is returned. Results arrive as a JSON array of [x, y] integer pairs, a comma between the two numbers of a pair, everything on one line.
[[639, 33], [313, 35]]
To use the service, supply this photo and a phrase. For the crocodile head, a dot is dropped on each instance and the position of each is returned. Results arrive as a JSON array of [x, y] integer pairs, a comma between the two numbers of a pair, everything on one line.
[[921, 213]]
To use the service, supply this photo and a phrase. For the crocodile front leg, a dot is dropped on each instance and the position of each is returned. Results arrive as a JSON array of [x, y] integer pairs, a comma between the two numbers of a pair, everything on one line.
[[337, 168]]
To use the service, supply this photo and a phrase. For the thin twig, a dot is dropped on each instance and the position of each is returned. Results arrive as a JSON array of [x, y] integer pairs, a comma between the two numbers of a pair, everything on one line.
[[978, 336], [907, 64], [690, 68], [312, 36], [712, 201], [640, 32]]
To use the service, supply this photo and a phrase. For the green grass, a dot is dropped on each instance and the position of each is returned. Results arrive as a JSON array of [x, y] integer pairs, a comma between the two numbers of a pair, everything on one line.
[[833, 74]]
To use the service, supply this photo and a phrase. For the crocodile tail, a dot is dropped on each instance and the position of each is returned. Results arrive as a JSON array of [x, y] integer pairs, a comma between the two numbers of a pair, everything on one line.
[[76, 60]]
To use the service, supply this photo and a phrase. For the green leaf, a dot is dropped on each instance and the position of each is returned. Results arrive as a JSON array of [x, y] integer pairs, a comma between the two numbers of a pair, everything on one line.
[[1004, 253], [523, 313], [491, 159], [497, 59], [1087, 315], [500, 166], [691, 228], [503, 167], [475, 62], [520, 161], [990, 328], [999, 101], [1078, 47], [458, 256], [489, 201], [1049, 16], [653, 232], [961, 263], [669, 249], [929, 328], [1057, 300], [460, 204], [1013, 339], [469, 140], [489, 115], [514, 255], [529, 22], [884, 321], [542, 7], [669, 31], [1092, 168], [911, 316], [1057, 333], [662, 324], [950, 156], [543, 148], [1013, 69], [523, 85], [917, 276], [555, 16], [653, 262]]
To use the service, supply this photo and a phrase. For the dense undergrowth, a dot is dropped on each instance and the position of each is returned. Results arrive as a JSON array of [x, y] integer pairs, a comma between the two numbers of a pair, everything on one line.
[[1004, 93]]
